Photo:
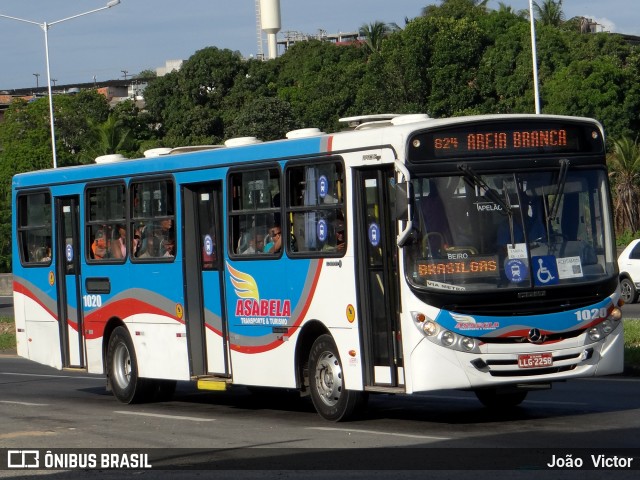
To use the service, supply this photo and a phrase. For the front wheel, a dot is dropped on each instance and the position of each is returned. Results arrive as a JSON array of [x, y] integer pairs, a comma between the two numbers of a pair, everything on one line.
[[628, 291], [326, 381], [491, 398], [122, 369]]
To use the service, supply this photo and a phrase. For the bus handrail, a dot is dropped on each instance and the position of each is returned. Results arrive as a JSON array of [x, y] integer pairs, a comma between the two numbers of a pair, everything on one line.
[[402, 237]]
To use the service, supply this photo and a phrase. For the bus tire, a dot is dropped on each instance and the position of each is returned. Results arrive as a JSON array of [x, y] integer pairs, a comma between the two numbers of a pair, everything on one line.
[[491, 398], [326, 381], [122, 368]]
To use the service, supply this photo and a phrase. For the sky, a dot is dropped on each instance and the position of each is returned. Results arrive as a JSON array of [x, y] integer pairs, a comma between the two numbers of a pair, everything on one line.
[[143, 34]]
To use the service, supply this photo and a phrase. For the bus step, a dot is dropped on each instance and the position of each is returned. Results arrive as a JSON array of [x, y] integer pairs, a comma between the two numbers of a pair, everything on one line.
[[74, 369], [374, 388], [212, 383]]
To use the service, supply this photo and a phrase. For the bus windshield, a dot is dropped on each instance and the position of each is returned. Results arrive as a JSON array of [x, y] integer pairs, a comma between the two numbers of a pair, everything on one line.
[[478, 232]]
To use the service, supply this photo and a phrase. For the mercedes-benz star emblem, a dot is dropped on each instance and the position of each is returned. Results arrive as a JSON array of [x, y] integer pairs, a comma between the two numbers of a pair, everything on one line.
[[534, 336]]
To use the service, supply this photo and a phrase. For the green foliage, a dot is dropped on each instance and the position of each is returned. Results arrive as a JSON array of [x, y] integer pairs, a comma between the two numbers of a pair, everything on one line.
[[7, 334], [632, 345], [264, 118]]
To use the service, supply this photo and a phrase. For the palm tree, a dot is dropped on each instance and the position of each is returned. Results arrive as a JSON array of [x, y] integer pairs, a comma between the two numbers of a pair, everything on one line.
[[624, 166], [374, 33], [110, 137], [550, 13]]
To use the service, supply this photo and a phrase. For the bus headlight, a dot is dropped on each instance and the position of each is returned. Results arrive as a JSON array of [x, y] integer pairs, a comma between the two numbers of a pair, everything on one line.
[[468, 343], [606, 327], [594, 334], [448, 338], [430, 328]]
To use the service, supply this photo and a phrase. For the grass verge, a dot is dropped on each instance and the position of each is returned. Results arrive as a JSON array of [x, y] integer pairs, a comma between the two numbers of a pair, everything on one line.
[[632, 346], [7, 334]]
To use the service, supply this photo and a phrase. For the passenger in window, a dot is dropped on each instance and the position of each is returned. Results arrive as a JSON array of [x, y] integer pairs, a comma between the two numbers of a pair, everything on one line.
[[168, 246], [119, 243], [275, 243], [166, 226], [339, 239], [340, 236], [150, 248], [256, 244], [135, 244], [99, 246]]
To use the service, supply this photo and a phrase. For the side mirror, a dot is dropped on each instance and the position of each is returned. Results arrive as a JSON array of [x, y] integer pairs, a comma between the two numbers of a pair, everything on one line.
[[402, 201]]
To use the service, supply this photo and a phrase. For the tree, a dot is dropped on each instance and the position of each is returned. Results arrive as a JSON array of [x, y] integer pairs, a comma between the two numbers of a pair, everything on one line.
[[550, 13], [624, 165], [265, 118], [110, 137], [187, 104], [320, 81], [375, 33]]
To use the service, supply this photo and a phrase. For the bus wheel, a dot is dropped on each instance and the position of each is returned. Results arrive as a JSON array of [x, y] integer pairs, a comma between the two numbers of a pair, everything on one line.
[[122, 369], [326, 381], [491, 398]]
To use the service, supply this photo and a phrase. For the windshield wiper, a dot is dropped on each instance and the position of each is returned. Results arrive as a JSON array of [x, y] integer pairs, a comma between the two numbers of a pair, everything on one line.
[[488, 191], [562, 179]]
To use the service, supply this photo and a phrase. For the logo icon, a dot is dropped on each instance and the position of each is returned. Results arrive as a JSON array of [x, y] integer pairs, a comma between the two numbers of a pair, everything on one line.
[[23, 459], [535, 336]]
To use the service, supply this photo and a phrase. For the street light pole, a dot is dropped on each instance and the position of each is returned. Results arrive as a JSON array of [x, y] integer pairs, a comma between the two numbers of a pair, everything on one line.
[[45, 28], [534, 56]]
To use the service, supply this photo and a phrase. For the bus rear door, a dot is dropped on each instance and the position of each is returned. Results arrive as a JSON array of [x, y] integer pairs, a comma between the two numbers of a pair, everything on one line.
[[207, 333], [377, 276], [68, 282]]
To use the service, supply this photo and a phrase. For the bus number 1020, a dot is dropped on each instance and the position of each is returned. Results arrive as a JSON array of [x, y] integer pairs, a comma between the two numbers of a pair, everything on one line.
[[446, 143], [92, 301]]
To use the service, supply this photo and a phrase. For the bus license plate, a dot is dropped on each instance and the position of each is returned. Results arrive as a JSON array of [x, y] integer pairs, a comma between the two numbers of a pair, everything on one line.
[[535, 360]]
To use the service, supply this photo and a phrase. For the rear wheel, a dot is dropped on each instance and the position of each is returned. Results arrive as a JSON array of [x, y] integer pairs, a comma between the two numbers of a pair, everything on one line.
[[492, 398], [122, 368], [628, 291], [326, 381]]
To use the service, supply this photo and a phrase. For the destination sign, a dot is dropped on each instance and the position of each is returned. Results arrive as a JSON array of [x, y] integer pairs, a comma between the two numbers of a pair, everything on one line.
[[497, 139], [462, 268]]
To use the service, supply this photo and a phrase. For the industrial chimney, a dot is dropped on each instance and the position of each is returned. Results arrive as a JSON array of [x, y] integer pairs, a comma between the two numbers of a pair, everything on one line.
[[270, 20]]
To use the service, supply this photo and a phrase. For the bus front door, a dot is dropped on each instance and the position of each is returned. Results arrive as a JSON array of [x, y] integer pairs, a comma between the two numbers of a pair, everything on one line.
[[377, 271], [207, 333], [68, 282]]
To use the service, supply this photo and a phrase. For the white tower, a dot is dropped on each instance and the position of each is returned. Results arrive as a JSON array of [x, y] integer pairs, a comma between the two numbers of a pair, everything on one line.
[[270, 19]]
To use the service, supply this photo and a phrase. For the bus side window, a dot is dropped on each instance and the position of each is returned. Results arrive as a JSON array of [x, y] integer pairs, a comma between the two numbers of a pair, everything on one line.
[[254, 210], [153, 220], [105, 214], [34, 228], [315, 209]]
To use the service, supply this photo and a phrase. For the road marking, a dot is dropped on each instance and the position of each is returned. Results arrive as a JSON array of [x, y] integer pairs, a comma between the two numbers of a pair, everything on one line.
[[159, 415], [376, 432], [50, 376], [474, 399], [26, 403], [6, 436]]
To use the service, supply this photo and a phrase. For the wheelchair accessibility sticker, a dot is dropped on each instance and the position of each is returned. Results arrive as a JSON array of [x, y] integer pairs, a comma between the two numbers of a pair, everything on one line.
[[545, 270]]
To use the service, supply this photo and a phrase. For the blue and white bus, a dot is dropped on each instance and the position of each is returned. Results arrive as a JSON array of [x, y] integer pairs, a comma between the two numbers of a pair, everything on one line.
[[405, 254]]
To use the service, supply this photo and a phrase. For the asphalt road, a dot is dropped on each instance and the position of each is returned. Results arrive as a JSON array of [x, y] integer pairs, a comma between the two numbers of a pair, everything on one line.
[[264, 436]]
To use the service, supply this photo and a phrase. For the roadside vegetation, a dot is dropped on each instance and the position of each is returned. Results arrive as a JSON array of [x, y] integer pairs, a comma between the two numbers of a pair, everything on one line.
[[7, 334], [632, 346]]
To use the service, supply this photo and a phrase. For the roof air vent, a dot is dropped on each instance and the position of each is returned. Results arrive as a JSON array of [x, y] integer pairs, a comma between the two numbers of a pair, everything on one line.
[[238, 142], [115, 157], [305, 132]]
